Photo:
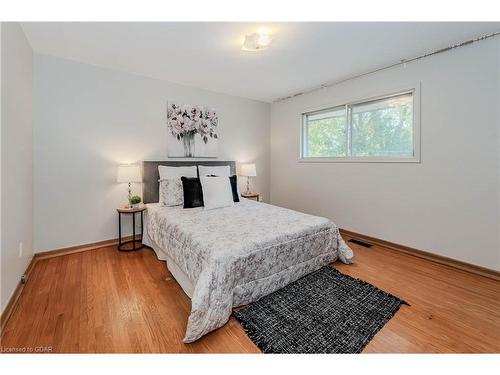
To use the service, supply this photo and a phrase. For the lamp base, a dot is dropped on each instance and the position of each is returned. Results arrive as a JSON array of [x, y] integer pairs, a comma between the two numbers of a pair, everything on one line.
[[129, 205], [248, 186]]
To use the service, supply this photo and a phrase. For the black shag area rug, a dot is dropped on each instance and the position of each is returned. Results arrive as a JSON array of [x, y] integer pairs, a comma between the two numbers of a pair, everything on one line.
[[323, 312]]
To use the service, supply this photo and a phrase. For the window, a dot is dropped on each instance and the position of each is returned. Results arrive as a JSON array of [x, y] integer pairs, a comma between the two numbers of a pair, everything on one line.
[[381, 129], [326, 134]]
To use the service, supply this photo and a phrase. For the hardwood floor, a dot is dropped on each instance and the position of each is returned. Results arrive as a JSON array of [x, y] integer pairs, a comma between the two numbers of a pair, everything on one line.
[[106, 301]]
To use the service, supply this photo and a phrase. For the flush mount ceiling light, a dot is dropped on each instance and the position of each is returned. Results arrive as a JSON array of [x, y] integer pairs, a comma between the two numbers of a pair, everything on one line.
[[257, 41]]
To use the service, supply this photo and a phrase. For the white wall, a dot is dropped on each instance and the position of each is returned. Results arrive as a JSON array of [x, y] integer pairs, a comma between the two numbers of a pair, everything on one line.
[[90, 119], [448, 204], [16, 157]]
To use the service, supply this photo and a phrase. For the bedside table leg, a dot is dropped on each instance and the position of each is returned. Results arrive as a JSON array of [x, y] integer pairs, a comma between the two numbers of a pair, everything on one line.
[[142, 226], [133, 230], [119, 230]]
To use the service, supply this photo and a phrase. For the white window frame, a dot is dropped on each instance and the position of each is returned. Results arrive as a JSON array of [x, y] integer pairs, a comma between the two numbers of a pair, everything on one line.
[[415, 158]]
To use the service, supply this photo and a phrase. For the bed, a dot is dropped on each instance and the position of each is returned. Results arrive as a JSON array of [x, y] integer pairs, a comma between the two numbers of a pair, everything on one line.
[[232, 256]]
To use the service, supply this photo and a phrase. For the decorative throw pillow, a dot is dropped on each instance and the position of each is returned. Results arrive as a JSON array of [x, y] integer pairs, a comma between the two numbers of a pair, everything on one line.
[[234, 188], [171, 192], [220, 171], [217, 192], [192, 191]]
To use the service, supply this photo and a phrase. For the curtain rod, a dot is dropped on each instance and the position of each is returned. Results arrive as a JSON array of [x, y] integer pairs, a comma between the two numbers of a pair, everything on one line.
[[402, 62]]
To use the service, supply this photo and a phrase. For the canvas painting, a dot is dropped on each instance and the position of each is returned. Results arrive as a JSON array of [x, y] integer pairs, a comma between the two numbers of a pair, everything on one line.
[[192, 131]]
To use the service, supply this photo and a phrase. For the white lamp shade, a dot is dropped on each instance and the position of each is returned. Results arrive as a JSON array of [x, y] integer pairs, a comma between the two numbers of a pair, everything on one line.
[[248, 170], [129, 173]]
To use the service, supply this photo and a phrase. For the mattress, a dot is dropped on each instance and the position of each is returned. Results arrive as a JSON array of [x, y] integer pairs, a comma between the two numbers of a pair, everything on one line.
[[234, 255]]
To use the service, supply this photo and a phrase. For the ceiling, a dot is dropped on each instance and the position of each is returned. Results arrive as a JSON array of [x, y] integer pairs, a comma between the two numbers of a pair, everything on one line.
[[208, 55]]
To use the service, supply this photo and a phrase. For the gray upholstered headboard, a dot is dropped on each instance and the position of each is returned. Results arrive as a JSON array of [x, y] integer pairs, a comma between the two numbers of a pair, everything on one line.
[[151, 175]]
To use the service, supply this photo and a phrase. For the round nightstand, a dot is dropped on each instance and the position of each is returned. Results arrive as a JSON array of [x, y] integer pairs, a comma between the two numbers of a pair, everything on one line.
[[255, 196], [134, 240]]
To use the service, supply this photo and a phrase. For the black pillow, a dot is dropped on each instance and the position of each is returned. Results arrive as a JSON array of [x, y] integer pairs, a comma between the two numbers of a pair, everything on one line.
[[234, 188], [193, 194]]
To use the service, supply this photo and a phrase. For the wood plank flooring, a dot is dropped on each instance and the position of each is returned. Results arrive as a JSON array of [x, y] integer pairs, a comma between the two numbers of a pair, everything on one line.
[[106, 301]]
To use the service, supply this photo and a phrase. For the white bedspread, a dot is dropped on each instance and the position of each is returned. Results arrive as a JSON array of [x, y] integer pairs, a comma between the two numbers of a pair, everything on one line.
[[235, 255]]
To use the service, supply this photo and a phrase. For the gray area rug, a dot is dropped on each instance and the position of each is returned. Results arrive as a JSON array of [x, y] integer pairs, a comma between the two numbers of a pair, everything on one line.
[[323, 312]]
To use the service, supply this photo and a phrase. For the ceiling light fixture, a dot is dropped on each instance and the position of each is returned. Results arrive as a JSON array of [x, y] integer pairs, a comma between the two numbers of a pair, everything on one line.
[[257, 41]]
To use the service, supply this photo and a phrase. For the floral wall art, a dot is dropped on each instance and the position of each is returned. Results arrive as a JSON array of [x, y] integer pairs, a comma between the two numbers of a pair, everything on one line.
[[192, 131]]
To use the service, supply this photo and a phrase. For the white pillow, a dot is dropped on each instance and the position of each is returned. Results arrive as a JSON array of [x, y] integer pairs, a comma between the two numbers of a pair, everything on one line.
[[219, 171], [176, 172], [217, 192], [171, 192]]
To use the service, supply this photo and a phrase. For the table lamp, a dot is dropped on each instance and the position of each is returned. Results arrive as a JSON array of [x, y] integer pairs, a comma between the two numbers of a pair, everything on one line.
[[129, 173], [248, 170]]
